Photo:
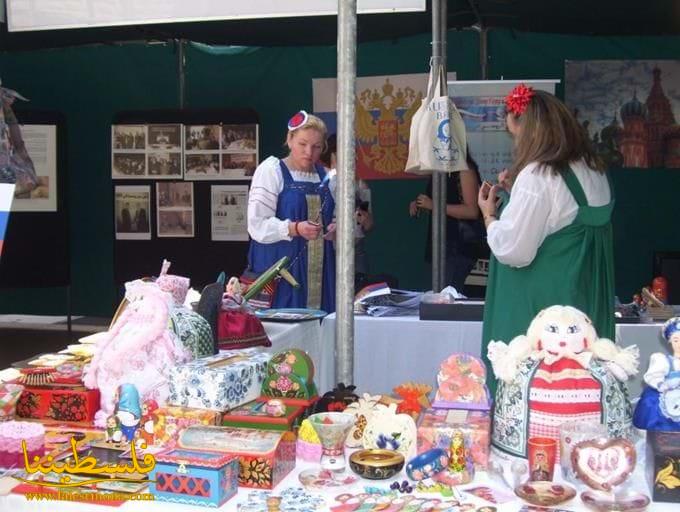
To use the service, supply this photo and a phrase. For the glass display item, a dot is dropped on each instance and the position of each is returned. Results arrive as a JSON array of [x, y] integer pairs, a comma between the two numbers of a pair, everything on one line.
[[332, 429]]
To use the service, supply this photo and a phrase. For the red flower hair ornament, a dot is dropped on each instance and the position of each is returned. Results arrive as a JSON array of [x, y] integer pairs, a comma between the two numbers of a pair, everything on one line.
[[518, 99]]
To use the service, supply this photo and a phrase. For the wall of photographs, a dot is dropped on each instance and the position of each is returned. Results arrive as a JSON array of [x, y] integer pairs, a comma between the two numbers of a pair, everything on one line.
[[180, 187]]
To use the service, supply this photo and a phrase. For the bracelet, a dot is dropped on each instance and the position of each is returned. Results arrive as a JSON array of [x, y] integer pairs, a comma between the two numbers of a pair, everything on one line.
[[492, 216], [297, 231]]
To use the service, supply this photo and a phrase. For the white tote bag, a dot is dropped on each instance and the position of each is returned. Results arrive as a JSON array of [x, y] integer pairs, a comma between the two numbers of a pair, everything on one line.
[[437, 139]]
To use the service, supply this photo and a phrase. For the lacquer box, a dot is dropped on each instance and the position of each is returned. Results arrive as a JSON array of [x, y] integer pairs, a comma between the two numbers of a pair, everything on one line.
[[171, 420], [253, 415], [193, 477], [663, 465], [221, 382], [69, 404], [266, 457], [437, 427]]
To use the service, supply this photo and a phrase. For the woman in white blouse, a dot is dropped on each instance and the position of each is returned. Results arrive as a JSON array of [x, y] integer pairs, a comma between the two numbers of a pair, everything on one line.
[[289, 210], [551, 242]]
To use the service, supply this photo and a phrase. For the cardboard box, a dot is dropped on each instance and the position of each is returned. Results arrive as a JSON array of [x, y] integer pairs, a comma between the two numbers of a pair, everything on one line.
[[171, 420], [221, 382], [266, 457], [663, 465], [437, 427], [194, 477], [72, 404]]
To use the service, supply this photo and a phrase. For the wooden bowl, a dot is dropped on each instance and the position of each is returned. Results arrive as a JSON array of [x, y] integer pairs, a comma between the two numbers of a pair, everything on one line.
[[376, 464]]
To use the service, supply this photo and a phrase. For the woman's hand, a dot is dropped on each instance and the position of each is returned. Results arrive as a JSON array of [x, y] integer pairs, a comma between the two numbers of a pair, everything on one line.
[[486, 199], [504, 180], [423, 201], [364, 219], [331, 230], [412, 209], [305, 229]]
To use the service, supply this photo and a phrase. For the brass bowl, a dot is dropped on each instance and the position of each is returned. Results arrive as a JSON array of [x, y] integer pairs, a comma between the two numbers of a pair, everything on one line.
[[376, 464]]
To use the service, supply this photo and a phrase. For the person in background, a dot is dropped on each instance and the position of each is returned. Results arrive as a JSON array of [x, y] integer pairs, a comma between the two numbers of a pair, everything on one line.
[[464, 232], [362, 212], [289, 210], [551, 242]]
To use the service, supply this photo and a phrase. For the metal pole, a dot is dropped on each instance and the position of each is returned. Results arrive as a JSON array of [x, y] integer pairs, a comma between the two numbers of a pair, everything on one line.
[[442, 181], [483, 51], [181, 62], [438, 180], [344, 273]]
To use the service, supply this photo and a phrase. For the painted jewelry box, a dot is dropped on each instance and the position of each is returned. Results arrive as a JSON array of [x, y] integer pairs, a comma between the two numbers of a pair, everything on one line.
[[77, 405], [170, 421], [438, 426], [663, 465], [266, 457], [192, 477], [254, 415], [221, 382]]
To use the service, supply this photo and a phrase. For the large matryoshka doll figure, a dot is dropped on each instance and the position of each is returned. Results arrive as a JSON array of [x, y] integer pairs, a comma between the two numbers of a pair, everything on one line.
[[559, 372]]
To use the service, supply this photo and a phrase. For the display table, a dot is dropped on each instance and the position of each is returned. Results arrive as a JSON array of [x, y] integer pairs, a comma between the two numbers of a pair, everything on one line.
[[391, 350], [19, 503]]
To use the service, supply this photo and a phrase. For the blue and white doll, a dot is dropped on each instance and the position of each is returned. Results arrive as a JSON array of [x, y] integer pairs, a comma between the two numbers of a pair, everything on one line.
[[128, 410], [659, 405]]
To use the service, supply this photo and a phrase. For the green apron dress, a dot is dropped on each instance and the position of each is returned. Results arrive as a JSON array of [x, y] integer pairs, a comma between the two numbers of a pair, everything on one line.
[[573, 267]]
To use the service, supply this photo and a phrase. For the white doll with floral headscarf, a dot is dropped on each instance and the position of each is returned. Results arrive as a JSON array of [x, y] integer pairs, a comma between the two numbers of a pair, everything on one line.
[[559, 372]]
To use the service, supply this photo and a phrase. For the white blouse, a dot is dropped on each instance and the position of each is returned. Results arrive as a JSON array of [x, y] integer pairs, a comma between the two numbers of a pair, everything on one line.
[[541, 205], [659, 367], [267, 184]]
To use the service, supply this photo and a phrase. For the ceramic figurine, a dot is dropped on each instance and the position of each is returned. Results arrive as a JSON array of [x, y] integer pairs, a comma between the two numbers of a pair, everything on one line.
[[560, 356], [149, 420], [113, 433], [128, 411], [659, 405]]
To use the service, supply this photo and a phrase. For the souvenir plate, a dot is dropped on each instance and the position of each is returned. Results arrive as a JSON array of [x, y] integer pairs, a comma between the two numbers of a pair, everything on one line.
[[545, 494], [324, 479], [290, 314], [620, 502], [603, 464]]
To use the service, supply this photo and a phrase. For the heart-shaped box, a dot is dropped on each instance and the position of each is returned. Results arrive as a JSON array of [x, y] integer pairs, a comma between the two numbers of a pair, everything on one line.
[[602, 463]]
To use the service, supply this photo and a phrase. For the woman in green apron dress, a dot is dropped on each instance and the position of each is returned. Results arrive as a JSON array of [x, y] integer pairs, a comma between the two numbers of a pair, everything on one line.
[[551, 239]]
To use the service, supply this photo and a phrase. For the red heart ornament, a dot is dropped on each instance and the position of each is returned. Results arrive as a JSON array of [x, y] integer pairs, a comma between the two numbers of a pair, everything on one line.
[[603, 464]]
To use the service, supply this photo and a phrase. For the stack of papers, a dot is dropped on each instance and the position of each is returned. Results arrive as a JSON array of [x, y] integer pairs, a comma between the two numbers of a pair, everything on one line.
[[380, 300]]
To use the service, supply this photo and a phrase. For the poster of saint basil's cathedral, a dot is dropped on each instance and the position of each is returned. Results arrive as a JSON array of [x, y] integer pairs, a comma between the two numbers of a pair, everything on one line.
[[630, 109]]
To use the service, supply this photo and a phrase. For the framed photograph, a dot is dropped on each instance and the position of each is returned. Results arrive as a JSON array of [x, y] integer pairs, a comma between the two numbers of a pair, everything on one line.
[[202, 166], [164, 165], [175, 223], [175, 209], [238, 166], [229, 212], [40, 141], [128, 137], [202, 137], [240, 138], [128, 166], [132, 212], [165, 137], [175, 196]]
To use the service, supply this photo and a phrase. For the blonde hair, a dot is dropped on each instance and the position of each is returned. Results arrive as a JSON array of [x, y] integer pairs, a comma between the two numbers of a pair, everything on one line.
[[551, 136], [313, 123]]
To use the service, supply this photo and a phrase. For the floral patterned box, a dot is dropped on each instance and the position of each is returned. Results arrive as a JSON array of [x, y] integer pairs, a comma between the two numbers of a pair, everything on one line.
[[266, 457], [220, 382], [76, 405], [437, 427], [171, 420], [194, 477]]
